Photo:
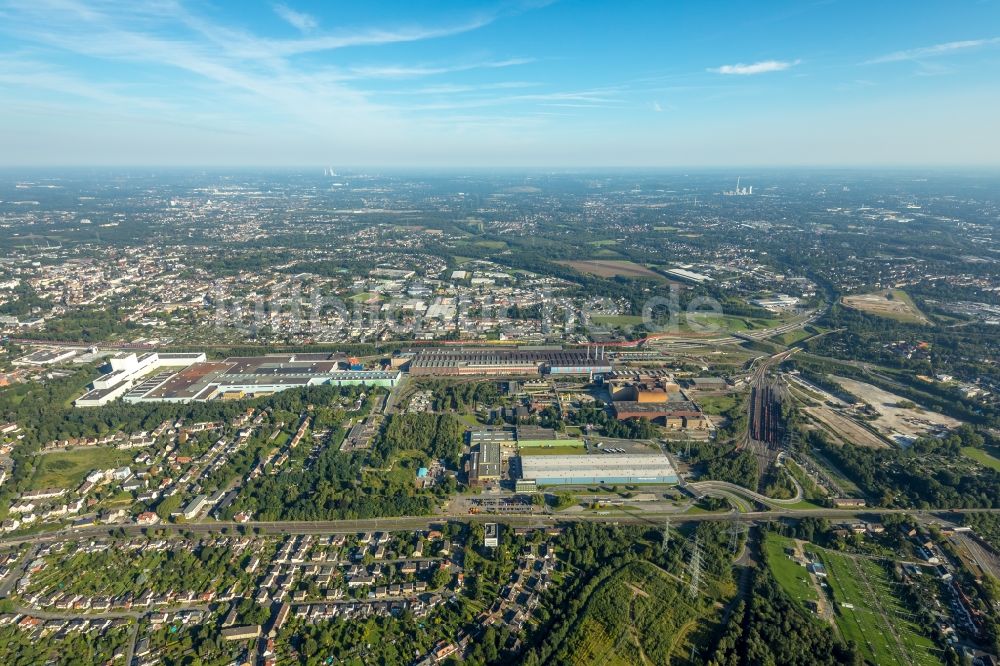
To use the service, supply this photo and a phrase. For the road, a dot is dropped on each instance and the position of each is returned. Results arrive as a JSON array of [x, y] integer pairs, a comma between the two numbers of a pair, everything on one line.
[[726, 487], [17, 572], [405, 523]]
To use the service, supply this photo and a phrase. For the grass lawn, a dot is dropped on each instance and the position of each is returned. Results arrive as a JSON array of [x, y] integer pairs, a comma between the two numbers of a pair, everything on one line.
[[717, 404], [67, 469], [803, 505], [792, 337], [470, 419], [362, 297], [982, 456], [709, 323], [864, 584], [730, 322], [793, 577]]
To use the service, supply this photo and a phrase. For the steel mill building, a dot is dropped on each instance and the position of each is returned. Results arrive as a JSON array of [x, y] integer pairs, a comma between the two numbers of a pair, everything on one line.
[[506, 362]]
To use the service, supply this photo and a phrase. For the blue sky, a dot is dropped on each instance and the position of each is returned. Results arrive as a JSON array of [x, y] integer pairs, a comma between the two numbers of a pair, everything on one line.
[[530, 83]]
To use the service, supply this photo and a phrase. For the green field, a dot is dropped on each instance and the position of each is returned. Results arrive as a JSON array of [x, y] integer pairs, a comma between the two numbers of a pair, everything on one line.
[[793, 577], [67, 469], [792, 337], [878, 622], [697, 321], [717, 404], [982, 456]]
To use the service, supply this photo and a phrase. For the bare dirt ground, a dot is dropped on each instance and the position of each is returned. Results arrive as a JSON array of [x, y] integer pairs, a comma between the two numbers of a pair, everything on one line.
[[611, 268], [898, 307], [846, 428], [892, 419]]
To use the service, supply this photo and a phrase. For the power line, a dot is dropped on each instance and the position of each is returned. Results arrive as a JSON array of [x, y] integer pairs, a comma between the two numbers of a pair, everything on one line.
[[694, 569]]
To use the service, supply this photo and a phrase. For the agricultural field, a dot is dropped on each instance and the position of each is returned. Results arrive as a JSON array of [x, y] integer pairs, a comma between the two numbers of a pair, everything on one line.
[[611, 268], [869, 612], [67, 469], [638, 616], [892, 304]]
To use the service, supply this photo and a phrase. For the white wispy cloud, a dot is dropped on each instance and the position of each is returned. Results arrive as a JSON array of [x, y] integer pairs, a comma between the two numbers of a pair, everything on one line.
[[762, 67], [937, 50], [298, 20], [239, 78], [409, 71]]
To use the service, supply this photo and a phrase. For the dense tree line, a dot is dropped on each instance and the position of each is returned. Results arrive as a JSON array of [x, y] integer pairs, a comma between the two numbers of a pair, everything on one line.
[[739, 467], [437, 436], [930, 474], [363, 484], [460, 396], [986, 525]]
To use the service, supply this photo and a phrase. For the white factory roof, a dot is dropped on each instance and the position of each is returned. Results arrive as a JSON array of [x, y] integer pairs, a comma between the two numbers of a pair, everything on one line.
[[611, 465]]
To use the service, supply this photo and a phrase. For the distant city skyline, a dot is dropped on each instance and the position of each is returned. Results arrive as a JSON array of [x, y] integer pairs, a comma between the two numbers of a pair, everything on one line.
[[502, 84]]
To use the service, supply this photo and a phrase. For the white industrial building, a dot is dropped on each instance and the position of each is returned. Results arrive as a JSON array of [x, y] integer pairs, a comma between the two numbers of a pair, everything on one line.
[[598, 469], [125, 369]]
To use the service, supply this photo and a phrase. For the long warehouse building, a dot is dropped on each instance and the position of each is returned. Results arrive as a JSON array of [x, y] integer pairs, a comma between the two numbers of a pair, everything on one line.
[[597, 468], [506, 362]]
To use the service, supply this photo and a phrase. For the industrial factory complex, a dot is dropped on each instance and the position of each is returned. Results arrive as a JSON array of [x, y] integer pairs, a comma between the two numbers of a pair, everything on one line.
[[187, 377], [530, 456], [190, 378], [527, 456], [505, 362], [608, 468]]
